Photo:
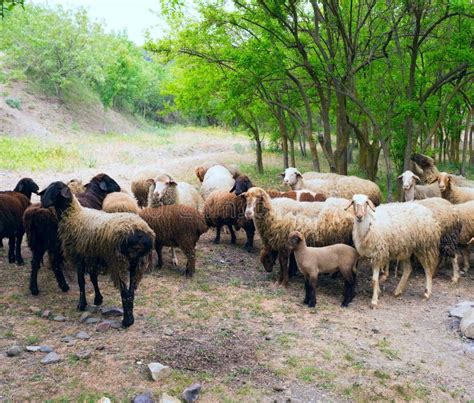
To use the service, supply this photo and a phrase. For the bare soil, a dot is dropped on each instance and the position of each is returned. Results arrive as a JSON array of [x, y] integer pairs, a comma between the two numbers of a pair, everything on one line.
[[231, 327]]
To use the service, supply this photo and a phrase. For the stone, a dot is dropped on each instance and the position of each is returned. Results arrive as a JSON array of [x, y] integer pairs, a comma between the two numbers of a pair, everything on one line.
[[168, 332], [268, 337], [59, 318], [46, 314], [92, 321], [467, 324], [67, 339], [13, 351], [158, 371], [460, 309], [278, 388], [84, 316], [104, 399], [33, 349], [45, 349], [165, 398], [191, 393], [92, 308], [35, 310], [103, 327], [83, 335], [83, 354], [51, 358], [112, 311], [146, 397]]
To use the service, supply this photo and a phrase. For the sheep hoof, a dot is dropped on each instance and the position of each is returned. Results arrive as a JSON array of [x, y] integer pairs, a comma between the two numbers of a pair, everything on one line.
[[34, 291], [20, 263], [81, 307], [64, 288], [426, 295], [249, 249], [128, 322], [397, 293], [374, 305], [98, 300], [454, 280], [217, 241]]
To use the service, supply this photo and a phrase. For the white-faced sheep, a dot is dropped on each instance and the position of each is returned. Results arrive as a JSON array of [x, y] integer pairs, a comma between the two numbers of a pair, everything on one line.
[[331, 225], [395, 231], [451, 192], [12, 206], [334, 185], [141, 183], [120, 202], [166, 191], [413, 191], [328, 259], [216, 178], [92, 238], [177, 226]]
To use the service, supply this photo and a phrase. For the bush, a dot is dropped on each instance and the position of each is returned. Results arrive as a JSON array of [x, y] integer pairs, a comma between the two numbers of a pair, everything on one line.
[[13, 103]]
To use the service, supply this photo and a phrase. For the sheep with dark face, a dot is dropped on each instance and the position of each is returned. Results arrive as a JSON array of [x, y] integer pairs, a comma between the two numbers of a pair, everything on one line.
[[97, 190], [120, 243], [12, 206]]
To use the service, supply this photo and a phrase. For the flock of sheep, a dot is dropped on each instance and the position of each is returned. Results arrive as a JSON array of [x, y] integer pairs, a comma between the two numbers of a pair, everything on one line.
[[325, 223]]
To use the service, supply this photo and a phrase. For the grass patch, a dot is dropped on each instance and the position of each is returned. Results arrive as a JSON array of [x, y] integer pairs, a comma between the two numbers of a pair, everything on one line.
[[384, 347]]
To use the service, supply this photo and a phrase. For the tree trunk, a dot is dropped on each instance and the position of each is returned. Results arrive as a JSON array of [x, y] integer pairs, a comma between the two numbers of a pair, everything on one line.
[[258, 151], [342, 139], [388, 167], [313, 149], [467, 130], [471, 152], [292, 150], [284, 136]]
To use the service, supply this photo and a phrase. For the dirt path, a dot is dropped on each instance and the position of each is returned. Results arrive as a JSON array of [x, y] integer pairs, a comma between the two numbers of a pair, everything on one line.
[[230, 327]]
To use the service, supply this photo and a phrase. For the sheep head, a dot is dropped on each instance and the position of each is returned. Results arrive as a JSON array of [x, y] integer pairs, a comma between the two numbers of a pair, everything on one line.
[[444, 181], [291, 176], [255, 197], [241, 185], [409, 179], [57, 195], [268, 258], [294, 239], [26, 186], [161, 186], [200, 172], [361, 204], [105, 183]]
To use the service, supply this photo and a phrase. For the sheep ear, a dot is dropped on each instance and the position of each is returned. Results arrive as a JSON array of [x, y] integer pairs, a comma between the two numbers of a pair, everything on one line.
[[351, 203], [233, 189], [103, 186], [417, 178], [400, 176], [243, 194], [298, 175], [434, 180], [66, 193], [172, 182], [281, 175], [150, 182], [371, 205]]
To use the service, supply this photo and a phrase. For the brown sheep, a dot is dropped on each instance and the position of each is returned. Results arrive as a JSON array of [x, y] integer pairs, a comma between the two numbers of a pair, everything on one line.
[[298, 195]]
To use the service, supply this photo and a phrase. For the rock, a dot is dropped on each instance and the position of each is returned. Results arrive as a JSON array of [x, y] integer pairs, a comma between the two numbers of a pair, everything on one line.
[[268, 337], [168, 332], [114, 324], [84, 317], [83, 335], [92, 308], [103, 327], [460, 309], [278, 388], [191, 393], [35, 310], [32, 349], [92, 321], [45, 349], [59, 318], [72, 343], [13, 351], [46, 314], [83, 354], [68, 339], [146, 397], [112, 311], [51, 358], [159, 371], [165, 398], [100, 348], [467, 324]]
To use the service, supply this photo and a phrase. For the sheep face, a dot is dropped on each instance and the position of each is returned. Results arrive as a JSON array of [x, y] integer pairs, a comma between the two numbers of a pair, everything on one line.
[[294, 239], [409, 179], [241, 185], [162, 184], [291, 176], [361, 204], [444, 181], [57, 194], [26, 186], [254, 196], [106, 183]]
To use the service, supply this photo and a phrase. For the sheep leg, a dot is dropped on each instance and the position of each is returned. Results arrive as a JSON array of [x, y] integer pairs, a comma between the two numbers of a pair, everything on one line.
[[174, 257], [465, 254], [250, 232], [385, 274], [11, 249], [375, 285], [307, 287], [57, 261], [128, 295], [349, 288], [191, 263], [293, 266], [283, 259], [233, 238], [454, 262], [98, 296], [217, 239], [407, 269], [82, 286], [159, 250], [18, 257], [429, 266], [313, 280], [35, 266]]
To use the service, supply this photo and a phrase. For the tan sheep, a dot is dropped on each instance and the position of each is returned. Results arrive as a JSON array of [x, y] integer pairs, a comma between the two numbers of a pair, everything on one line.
[[413, 191], [328, 259], [141, 183], [120, 202], [76, 186], [451, 192], [466, 215], [166, 191]]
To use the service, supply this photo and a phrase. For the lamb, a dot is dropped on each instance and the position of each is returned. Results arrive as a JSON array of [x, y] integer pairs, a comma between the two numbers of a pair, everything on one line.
[[76, 186], [165, 191], [216, 178], [451, 192], [466, 215], [176, 226], [331, 225], [413, 191], [120, 202], [395, 231], [298, 195], [12, 206], [225, 208], [329, 259], [201, 170], [120, 242], [41, 227], [141, 184], [333, 185]]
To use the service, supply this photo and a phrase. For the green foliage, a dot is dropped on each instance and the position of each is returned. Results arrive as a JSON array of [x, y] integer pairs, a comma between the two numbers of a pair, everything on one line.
[[13, 103]]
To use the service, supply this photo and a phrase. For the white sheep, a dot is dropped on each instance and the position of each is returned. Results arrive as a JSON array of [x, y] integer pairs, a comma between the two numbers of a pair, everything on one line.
[[413, 191], [466, 215], [449, 191], [141, 183], [166, 191], [217, 177], [395, 231]]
